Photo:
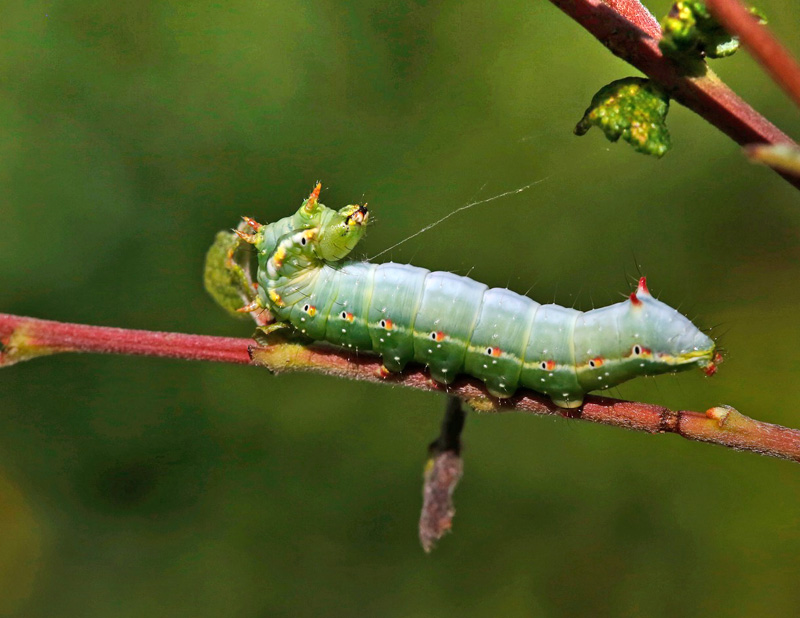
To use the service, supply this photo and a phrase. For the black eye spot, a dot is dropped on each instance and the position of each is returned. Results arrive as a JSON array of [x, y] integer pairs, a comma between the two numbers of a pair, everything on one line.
[[304, 241], [489, 351], [343, 315], [383, 323], [543, 365], [592, 364], [306, 308], [637, 349], [433, 336]]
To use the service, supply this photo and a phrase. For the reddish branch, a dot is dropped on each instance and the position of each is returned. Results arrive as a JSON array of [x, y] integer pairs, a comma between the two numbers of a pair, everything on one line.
[[773, 56], [629, 31], [24, 338]]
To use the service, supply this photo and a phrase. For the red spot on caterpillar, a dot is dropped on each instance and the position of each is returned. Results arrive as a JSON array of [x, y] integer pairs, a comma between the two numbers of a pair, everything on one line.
[[635, 299], [642, 289], [437, 336], [496, 352], [711, 368], [550, 365], [387, 324], [597, 361]]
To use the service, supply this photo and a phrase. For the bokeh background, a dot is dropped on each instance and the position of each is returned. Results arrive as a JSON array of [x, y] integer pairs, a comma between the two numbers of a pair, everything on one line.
[[131, 132]]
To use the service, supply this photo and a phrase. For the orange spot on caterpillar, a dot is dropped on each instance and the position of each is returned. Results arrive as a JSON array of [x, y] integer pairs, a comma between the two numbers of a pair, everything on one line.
[[387, 324], [279, 256], [274, 297], [437, 335], [346, 315], [492, 351], [597, 361], [547, 365]]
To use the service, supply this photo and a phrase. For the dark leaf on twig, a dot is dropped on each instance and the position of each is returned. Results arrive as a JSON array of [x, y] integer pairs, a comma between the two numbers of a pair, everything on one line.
[[442, 474]]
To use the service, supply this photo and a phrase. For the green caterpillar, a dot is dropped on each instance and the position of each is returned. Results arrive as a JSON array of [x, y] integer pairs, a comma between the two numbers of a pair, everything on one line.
[[455, 325]]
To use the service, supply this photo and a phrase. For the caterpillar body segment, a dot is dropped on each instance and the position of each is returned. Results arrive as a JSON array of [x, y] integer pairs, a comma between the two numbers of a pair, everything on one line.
[[455, 325]]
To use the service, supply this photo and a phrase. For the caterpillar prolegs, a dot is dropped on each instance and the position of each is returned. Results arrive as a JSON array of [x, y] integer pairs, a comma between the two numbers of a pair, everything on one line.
[[455, 325]]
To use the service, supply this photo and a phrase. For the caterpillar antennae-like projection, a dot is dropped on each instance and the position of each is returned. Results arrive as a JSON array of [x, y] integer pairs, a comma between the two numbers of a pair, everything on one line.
[[455, 325]]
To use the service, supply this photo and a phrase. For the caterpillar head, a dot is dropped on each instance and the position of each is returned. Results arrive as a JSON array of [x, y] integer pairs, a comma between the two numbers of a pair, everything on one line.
[[661, 339], [340, 231], [333, 233]]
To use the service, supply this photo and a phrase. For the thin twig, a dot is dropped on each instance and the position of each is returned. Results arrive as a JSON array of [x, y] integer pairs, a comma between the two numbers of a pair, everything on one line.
[[628, 32], [773, 56], [449, 438], [23, 338]]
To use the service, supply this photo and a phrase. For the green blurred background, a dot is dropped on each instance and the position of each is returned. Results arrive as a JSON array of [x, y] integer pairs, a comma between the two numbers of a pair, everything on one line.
[[131, 132]]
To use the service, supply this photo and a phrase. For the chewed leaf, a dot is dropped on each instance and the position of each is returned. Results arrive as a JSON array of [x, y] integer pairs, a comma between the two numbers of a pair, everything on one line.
[[634, 109], [225, 280], [690, 32]]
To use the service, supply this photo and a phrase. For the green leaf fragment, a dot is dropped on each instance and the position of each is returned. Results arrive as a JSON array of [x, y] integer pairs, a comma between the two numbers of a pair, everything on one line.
[[225, 280], [690, 32], [634, 109]]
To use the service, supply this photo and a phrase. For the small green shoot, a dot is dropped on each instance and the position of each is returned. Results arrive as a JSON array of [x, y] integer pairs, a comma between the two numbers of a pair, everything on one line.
[[691, 33]]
